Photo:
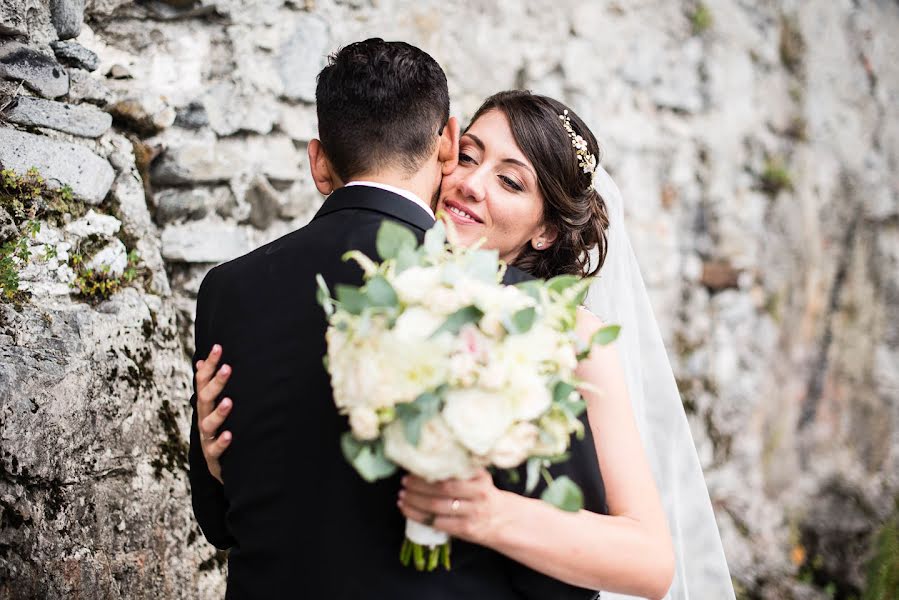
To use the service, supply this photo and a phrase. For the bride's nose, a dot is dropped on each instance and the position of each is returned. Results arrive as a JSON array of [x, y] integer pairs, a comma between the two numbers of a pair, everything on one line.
[[472, 186]]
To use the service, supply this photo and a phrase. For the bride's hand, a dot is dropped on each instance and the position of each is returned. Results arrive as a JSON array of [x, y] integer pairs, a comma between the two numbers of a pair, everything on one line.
[[469, 509], [210, 383]]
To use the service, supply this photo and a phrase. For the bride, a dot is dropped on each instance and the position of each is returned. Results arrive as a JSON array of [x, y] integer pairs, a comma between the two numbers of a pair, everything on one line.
[[528, 182]]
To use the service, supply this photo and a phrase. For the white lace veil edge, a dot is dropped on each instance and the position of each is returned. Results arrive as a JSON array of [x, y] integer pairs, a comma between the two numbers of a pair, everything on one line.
[[618, 296]]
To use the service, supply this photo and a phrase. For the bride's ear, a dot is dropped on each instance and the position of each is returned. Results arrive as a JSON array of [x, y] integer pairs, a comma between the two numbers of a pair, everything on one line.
[[545, 238], [448, 151], [322, 172]]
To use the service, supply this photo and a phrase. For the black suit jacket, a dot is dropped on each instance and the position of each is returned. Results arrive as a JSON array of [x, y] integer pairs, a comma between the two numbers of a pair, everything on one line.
[[298, 519]]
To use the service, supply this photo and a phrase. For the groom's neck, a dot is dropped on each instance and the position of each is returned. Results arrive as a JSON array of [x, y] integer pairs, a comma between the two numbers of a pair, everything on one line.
[[422, 183]]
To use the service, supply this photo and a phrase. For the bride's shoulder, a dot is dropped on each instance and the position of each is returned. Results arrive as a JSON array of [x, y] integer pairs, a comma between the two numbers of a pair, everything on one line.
[[587, 323]]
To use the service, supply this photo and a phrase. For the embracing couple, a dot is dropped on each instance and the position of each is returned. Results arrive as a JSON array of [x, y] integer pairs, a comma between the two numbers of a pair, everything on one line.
[[268, 478]]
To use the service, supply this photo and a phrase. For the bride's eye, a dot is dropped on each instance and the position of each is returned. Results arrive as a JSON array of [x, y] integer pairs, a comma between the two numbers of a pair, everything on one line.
[[465, 159], [511, 183]]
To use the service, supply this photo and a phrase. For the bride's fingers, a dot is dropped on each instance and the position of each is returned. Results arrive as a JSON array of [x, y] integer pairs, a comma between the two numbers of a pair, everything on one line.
[[211, 423], [436, 505], [207, 394], [218, 446], [454, 488], [206, 367]]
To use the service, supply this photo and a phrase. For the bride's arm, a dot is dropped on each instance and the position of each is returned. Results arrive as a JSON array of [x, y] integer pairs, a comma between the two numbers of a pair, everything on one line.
[[628, 551]]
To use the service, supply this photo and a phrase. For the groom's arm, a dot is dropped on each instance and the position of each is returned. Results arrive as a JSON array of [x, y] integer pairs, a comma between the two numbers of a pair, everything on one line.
[[207, 494]]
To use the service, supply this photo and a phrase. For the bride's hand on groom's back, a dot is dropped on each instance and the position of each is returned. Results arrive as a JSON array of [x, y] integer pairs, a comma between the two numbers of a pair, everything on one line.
[[211, 381]]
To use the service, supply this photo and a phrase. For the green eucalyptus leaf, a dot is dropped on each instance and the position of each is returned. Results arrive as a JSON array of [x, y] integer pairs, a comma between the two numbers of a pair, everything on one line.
[[583, 286], [606, 335], [367, 458], [565, 494], [405, 258], [522, 320], [531, 287], [372, 464], [459, 319], [483, 265], [323, 295], [435, 239], [415, 414], [561, 391], [351, 298], [561, 283], [380, 293], [533, 472], [350, 446], [392, 238]]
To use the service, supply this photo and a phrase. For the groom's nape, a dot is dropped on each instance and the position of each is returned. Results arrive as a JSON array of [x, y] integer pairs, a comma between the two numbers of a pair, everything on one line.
[[383, 115]]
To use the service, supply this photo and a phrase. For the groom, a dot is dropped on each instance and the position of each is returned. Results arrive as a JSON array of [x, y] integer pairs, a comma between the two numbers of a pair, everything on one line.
[[298, 519]]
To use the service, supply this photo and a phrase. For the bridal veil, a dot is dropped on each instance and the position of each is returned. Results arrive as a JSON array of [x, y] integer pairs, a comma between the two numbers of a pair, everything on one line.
[[618, 296]]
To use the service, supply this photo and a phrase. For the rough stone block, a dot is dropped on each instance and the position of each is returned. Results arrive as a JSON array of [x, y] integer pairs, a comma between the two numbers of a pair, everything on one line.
[[83, 87], [39, 72], [67, 16], [302, 56], [60, 163], [94, 223], [84, 120], [204, 242], [75, 55]]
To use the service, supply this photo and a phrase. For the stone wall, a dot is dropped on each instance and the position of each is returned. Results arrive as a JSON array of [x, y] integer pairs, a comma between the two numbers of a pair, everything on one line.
[[754, 146]]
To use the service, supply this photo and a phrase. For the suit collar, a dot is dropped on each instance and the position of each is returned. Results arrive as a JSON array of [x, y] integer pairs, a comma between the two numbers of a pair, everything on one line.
[[377, 200]]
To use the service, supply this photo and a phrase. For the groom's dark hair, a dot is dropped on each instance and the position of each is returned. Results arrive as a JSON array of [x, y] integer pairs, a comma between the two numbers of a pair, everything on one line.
[[380, 104]]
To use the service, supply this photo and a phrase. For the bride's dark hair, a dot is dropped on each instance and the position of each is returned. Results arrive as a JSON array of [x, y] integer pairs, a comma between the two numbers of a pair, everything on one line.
[[571, 207]]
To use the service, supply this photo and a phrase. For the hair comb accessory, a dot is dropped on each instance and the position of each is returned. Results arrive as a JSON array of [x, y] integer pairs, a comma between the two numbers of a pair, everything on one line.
[[585, 159]]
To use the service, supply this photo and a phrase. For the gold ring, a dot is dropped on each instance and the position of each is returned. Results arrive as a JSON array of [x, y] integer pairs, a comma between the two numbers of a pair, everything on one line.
[[455, 505]]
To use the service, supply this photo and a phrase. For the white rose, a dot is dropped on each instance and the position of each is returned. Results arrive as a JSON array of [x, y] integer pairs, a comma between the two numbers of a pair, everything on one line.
[[529, 397], [463, 370], [514, 446], [360, 368], [416, 324], [438, 455], [478, 418], [364, 423], [416, 284], [553, 438], [492, 324], [446, 300]]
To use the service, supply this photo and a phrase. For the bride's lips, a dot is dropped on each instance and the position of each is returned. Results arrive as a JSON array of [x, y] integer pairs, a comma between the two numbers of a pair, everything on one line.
[[460, 213]]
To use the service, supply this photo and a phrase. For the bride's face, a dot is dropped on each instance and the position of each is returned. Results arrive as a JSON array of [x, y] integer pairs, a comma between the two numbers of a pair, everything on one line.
[[493, 193]]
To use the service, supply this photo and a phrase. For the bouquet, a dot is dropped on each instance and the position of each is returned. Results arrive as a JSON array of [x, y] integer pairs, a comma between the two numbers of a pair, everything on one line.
[[443, 370]]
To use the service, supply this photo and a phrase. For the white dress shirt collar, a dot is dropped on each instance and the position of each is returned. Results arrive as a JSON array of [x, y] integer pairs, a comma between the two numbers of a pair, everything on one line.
[[399, 191]]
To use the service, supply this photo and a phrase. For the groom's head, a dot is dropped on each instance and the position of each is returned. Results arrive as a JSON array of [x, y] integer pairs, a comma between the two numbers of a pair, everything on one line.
[[383, 108]]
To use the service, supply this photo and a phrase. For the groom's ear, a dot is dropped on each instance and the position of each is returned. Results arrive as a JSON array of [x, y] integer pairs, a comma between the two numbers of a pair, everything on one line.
[[322, 173], [448, 152]]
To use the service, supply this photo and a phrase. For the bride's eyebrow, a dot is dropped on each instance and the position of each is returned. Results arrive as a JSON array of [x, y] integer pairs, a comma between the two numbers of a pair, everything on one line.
[[480, 144]]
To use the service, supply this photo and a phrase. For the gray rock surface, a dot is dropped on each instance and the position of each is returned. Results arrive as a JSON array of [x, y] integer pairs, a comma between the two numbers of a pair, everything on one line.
[[84, 120], [39, 72], [204, 242], [74, 54], [84, 87], [302, 56], [12, 18], [182, 205], [192, 116], [60, 163], [67, 17]]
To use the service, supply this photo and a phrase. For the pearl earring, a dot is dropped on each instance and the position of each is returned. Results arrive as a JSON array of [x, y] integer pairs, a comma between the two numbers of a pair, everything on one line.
[[539, 245]]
